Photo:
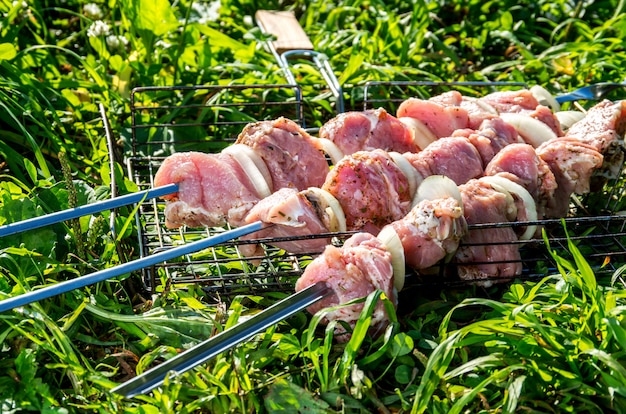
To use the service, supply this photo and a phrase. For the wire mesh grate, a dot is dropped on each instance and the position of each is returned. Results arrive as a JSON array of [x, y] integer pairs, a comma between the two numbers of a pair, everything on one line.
[[208, 118]]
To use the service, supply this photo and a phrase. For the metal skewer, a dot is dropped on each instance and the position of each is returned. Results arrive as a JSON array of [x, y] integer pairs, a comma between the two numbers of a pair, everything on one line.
[[223, 341], [132, 266], [76, 212]]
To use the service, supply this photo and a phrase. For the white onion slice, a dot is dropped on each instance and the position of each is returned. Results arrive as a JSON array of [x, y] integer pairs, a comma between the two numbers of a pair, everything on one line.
[[528, 201], [331, 149], [435, 187], [545, 98], [481, 104], [253, 166], [569, 118], [331, 206], [409, 171], [391, 241], [422, 136], [533, 131], [511, 208]]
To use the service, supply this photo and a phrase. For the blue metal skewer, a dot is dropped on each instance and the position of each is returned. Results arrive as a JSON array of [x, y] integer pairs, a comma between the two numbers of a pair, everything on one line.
[[76, 212], [132, 266], [223, 341]]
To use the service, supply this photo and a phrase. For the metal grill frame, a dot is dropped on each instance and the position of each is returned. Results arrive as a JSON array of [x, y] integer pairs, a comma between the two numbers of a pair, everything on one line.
[[223, 272]]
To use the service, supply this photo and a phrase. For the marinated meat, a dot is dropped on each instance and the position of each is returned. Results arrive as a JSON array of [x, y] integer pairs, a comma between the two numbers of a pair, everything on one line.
[[511, 101], [431, 231], [213, 190], [372, 190], [368, 130], [521, 164], [441, 120], [477, 111], [293, 157], [572, 162], [493, 135], [545, 115], [603, 124], [293, 214], [454, 157], [361, 266], [450, 98], [603, 127], [523, 101], [491, 252]]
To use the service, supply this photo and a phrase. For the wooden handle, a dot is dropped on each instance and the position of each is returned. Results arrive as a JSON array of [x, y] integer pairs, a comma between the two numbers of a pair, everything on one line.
[[286, 28]]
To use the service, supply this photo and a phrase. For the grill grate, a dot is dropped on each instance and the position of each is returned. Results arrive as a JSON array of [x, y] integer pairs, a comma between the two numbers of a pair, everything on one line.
[[208, 118]]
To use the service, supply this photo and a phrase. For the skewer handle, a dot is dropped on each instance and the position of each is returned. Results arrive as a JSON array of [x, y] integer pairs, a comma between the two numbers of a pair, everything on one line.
[[76, 212], [132, 266], [223, 341]]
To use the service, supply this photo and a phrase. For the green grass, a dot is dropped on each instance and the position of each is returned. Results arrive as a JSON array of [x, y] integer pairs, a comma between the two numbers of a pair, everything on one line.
[[549, 345]]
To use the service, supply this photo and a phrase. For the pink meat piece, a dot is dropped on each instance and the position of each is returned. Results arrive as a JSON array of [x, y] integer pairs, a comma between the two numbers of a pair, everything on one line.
[[358, 268], [477, 111], [441, 120], [212, 190], [511, 101], [368, 130], [372, 190], [523, 101], [450, 98], [603, 128], [545, 115], [454, 157], [293, 158], [431, 231], [493, 135], [572, 162], [294, 214], [487, 253], [521, 164], [603, 125]]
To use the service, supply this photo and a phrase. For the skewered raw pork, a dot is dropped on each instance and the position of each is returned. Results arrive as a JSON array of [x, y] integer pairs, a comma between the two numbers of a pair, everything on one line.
[[572, 162], [368, 130], [371, 188], [362, 265], [492, 136], [296, 213], [366, 263], [213, 189], [454, 157], [433, 228], [293, 157], [440, 120], [521, 164], [486, 253]]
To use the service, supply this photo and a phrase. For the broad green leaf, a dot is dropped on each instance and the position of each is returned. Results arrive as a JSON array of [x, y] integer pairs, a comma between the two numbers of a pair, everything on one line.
[[404, 374], [7, 51], [155, 16], [401, 344], [218, 40]]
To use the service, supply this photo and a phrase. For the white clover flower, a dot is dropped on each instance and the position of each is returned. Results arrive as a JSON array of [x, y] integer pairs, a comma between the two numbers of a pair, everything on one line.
[[98, 29], [206, 12], [115, 42], [162, 44], [93, 11]]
